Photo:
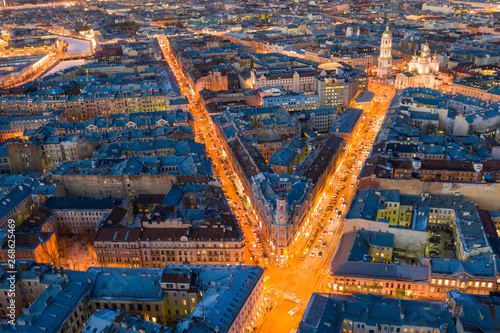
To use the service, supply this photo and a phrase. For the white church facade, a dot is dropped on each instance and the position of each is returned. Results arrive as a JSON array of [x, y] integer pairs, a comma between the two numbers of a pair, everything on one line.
[[423, 71]]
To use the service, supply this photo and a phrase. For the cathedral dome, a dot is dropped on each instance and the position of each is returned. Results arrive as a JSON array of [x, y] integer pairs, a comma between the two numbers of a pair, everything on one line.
[[426, 51], [387, 33]]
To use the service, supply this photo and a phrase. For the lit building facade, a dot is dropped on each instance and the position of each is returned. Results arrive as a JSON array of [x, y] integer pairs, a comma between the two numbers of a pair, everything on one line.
[[423, 71], [384, 69]]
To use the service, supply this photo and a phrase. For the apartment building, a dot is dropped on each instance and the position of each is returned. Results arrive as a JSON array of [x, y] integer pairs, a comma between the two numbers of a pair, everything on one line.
[[320, 120], [24, 157], [185, 228], [347, 124], [483, 87], [82, 215], [15, 205], [40, 246], [191, 298], [371, 313], [335, 91], [86, 107], [428, 277], [120, 177], [298, 81]]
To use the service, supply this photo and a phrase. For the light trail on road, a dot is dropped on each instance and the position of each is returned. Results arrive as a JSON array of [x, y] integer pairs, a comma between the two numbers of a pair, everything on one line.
[[308, 275]]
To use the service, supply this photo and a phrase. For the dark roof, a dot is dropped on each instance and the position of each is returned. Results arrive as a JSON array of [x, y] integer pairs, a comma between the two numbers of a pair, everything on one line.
[[115, 217], [118, 234], [36, 219], [488, 225], [323, 159], [82, 203], [193, 232], [175, 278], [146, 199], [29, 240]]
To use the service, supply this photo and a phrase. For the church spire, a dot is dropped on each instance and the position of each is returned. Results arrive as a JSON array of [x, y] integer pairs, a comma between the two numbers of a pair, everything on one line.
[[384, 69]]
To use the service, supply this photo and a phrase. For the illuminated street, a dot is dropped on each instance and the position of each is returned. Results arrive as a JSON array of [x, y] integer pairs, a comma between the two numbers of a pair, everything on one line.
[[240, 167], [309, 275]]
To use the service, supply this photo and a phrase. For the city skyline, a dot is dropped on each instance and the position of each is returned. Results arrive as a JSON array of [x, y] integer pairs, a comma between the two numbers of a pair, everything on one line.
[[289, 166]]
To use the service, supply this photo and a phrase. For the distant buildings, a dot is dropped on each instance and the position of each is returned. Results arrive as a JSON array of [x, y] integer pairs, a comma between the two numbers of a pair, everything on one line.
[[290, 101], [106, 88], [409, 154], [364, 100], [320, 120], [339, 87], [49, 141], [17, 68], [298, 81], [328, 86], [17, 126], [483, 87]]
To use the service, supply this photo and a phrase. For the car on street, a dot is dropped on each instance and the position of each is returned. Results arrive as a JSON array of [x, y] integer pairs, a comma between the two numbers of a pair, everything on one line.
[[313, 254], [294, 310], [320, 254]]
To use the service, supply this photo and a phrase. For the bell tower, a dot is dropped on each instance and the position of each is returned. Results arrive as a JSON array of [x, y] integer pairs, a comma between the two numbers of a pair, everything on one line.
[[384, 69]]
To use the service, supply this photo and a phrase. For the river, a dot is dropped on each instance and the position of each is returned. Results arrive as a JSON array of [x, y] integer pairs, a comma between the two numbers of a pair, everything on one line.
[[63, 65], [76, 46]]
